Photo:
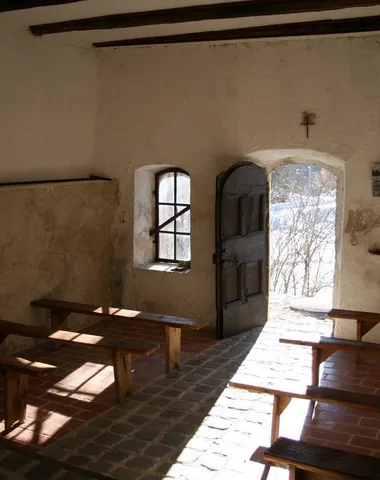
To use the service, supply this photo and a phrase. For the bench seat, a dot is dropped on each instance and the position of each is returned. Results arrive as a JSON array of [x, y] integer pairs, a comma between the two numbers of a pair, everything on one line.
[[306, 457], [283, 395], [27, 367], [16, 371], [323, 347], [365, 321], [371, 317], [120, 350], [60, 310]]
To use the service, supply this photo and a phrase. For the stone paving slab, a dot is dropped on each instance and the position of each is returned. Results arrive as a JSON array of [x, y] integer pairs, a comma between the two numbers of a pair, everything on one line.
[[189, 425], [19, 463]]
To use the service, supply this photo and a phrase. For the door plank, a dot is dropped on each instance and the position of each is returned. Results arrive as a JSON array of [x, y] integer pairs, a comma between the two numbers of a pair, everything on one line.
[[241, 249]]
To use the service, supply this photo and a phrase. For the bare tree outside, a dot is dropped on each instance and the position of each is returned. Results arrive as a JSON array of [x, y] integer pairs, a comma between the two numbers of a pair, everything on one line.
[[302, 235]]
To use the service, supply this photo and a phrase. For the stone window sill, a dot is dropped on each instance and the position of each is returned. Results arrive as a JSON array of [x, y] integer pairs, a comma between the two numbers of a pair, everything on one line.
[[164, 267]]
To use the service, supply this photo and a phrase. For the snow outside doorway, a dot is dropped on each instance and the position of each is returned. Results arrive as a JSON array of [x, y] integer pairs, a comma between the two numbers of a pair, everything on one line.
[[302, 237]]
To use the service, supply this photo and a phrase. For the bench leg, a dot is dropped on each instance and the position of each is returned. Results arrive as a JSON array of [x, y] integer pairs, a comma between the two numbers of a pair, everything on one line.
[[58, 322], [15, 398], [3, 337], [122, 367], [280, 402], [316, 361], [359, 336], [292, 473], [297, 474], [173, 348], [320, 355], [58, 319], [362, 327]]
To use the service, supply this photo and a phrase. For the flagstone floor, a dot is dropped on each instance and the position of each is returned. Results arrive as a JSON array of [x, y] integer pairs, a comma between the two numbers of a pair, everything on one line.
[[83, 385], [191, 426]]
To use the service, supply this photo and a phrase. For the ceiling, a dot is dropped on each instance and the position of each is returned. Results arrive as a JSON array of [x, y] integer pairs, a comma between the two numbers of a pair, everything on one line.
[[148, 22]]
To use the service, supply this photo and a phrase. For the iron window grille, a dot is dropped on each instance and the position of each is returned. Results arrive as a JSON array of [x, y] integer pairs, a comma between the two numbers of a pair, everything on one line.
[[172, 217]]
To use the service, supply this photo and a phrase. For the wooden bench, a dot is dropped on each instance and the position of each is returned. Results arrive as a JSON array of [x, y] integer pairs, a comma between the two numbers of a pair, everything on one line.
[[283, 395], [16, 372], [306, 457], [60, 310], [323, 347], [120, 350], [365, 321]]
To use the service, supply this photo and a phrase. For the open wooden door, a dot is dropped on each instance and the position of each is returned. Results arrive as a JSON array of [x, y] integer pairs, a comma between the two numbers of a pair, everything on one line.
[[241, 256]]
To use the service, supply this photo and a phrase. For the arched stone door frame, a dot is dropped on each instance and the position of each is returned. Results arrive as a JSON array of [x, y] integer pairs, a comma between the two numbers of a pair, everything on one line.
[[272, 158]]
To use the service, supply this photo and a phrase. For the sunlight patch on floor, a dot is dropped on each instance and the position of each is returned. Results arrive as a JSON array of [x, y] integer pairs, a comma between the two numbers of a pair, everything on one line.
[[239, 424], [86, 382]]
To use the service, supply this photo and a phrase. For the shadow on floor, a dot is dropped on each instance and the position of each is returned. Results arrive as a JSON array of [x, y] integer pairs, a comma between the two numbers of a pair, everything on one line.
[[83, 385]]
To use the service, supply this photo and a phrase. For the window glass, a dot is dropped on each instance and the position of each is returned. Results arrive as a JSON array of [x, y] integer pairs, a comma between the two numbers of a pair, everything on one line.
[[166, 188], [166, 246], [166, 212], [183, 247], [183, 222], [183, 188], [173, 242]]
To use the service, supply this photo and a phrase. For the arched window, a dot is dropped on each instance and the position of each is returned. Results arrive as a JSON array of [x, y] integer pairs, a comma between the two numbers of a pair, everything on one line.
[[172, 216]]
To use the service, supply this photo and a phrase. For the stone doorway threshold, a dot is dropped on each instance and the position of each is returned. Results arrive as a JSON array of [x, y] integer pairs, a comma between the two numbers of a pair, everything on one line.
[[320, 303], [312, 304]]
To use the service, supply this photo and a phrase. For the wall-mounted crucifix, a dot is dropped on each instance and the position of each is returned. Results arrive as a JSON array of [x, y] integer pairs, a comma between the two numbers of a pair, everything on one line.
[[308, 119]]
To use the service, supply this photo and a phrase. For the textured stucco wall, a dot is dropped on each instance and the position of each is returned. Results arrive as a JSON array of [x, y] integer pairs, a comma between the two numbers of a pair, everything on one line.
[[56, 243], [204, 107], [54, 239], [48, 105]]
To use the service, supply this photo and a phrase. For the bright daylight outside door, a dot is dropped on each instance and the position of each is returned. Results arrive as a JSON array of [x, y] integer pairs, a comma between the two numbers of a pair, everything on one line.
[[302, 233]]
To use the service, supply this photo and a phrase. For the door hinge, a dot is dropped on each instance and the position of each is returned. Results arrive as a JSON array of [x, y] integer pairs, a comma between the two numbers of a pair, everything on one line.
[[221, 261]]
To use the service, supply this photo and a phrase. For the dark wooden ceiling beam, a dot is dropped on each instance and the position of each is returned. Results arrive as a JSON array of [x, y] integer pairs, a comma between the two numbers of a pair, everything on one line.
[[10, 5], [219, 11], [320, 27]]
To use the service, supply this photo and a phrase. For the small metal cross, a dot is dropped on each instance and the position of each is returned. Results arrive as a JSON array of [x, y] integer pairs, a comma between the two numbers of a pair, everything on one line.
[[308, 119]]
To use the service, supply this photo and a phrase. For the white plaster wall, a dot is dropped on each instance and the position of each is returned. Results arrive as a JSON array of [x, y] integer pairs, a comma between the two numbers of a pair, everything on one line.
[[48, 96], [204, 107]]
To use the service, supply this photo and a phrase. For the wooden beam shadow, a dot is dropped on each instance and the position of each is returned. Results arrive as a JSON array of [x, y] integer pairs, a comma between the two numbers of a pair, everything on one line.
[[10, 5], [320, 27], [198, 13]]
